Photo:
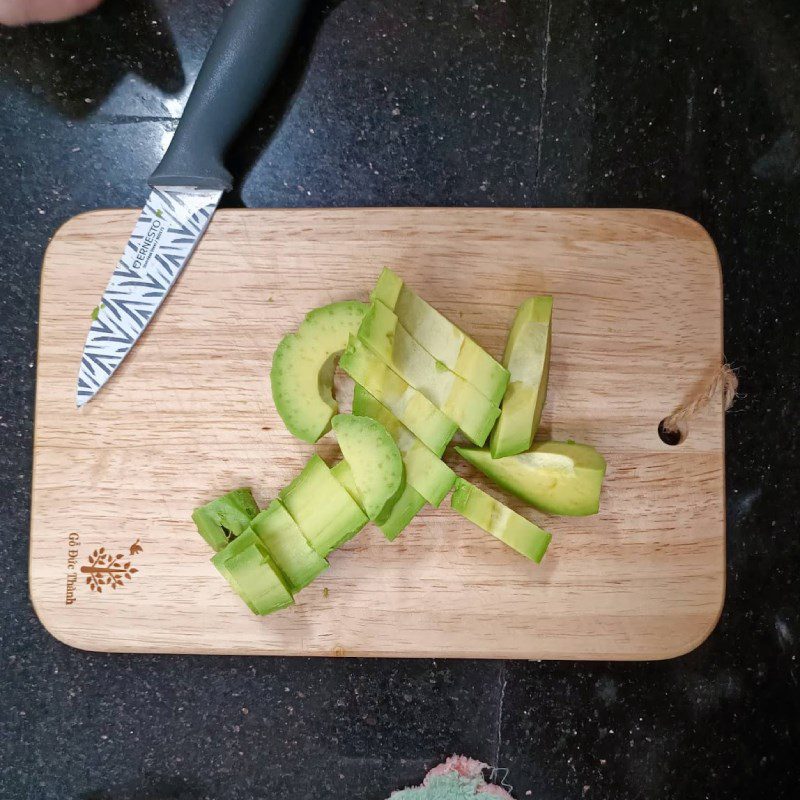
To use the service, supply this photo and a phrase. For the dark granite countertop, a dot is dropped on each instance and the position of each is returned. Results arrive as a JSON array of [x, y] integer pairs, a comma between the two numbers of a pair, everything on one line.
[[690, 105]]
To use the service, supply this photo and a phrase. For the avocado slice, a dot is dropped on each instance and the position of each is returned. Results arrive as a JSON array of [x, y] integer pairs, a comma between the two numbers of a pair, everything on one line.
[[396, 517], [342, 472], [303, 365], [499, 520], [455, 397], [411, 407], [426, 473], [254, 576], [322, 508], [388, 288], [403, 510], [223, 519], [527, 357], [441, 338], [235, 547], [287, 546], [374, 460], [557, 477]]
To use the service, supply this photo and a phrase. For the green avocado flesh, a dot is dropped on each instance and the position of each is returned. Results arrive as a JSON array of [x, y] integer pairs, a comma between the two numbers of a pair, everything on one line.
[[425, 471], [322, 508], [344, 475], [303, 366], [455, 397], [374, 460], [499, 520], [287, 546], [557, 477], [411, 407], [527, 357], [443, 340], [399, 512], [403, 510], [246, 565], [223, 519]]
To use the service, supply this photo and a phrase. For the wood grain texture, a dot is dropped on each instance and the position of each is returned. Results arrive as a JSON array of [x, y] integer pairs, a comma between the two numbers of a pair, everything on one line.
[[637, 329]]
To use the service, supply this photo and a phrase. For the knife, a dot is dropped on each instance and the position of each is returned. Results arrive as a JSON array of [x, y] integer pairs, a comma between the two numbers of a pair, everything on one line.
[[189, 182]]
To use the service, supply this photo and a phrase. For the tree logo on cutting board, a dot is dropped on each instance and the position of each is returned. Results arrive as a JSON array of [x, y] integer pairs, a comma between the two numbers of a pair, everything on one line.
[[105, 570]]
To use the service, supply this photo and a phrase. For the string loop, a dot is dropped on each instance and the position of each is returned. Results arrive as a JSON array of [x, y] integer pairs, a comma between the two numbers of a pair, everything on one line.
[[724, 380]]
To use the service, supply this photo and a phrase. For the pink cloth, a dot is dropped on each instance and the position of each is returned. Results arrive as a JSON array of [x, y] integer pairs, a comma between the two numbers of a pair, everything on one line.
[[471, 769]]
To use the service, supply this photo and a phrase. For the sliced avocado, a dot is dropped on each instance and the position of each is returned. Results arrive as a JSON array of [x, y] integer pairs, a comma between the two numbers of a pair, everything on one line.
[[411, 407], [373, 458], [225, 518], [254, 576], [403, 510], [425, 471], [257, 581], [322, 508], [557, 477], [223, 570], [342, 472], [441, 338], [236, 546], [388, 288], [527, 357], [287, 546], [303, 367], [499, 520], [399, 512], [459, 400]]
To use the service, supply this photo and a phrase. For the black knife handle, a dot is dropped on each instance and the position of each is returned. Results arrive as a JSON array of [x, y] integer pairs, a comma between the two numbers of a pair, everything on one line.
[[243, 61]]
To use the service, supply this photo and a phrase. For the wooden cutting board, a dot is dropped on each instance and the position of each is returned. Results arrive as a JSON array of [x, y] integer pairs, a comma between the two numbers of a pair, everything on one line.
[[637, 330]]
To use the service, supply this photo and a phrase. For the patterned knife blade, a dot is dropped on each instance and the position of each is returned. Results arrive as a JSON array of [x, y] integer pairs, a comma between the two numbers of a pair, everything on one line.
[[171, 223]]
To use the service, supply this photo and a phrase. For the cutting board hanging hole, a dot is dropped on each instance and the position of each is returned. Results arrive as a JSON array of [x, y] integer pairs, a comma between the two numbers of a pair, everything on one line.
[[674, 428]]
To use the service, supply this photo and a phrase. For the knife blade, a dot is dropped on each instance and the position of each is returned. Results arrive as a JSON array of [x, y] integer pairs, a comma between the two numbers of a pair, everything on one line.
[[188, 183], [166, 233]]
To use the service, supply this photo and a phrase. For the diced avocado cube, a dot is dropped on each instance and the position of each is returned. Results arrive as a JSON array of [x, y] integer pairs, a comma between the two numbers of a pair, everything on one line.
[[373, 458], [254, 576], [303, 366], [527, 357], [411, 407], [557, 477], [499, 520], [287, 546], [223, 519], [323, 510], [425, 471], [458, 399], [403, 510], [441, 338]]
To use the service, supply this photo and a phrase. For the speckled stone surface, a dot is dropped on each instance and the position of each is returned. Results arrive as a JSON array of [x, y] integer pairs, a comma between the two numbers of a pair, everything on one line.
[[691, 105]]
